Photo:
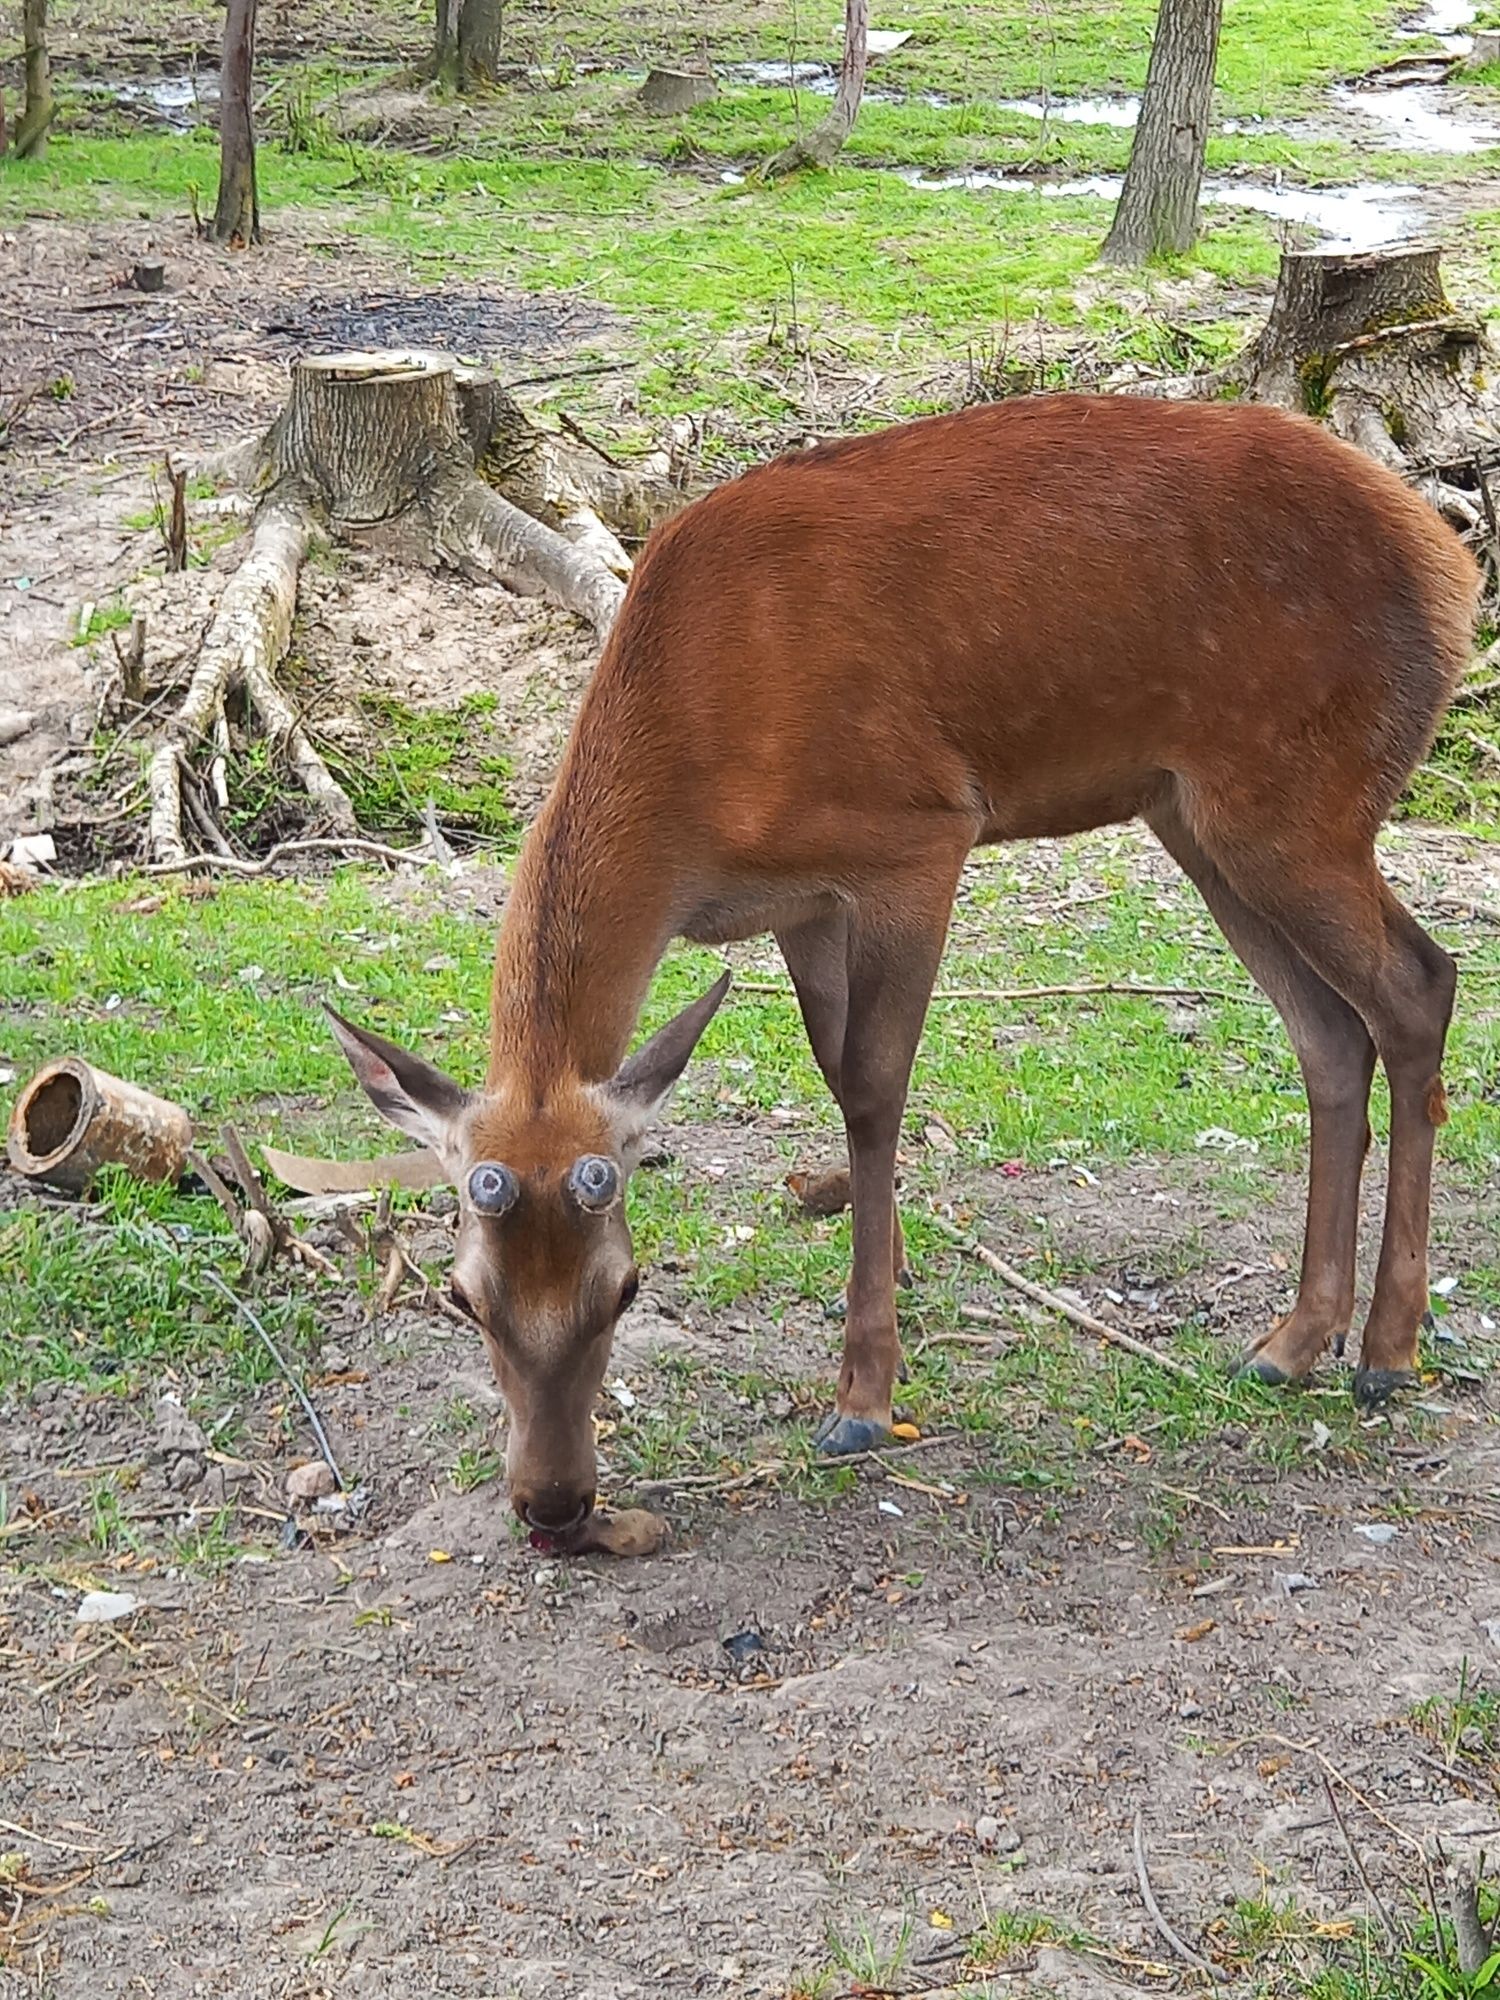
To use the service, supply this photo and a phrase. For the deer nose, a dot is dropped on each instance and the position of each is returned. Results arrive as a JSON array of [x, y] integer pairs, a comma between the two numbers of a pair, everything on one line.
[[556, 1513]]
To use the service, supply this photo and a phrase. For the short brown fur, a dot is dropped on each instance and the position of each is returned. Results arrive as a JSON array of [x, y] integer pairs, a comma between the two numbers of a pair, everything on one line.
[[834, 677]]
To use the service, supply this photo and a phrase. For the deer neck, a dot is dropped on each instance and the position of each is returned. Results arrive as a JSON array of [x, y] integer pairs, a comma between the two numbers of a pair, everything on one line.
[[585, 926]]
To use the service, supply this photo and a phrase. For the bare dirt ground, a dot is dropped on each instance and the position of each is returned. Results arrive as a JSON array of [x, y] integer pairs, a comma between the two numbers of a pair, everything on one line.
[[113, 382]]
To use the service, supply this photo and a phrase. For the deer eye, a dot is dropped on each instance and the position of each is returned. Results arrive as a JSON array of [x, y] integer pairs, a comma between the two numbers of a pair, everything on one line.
[[594, 1182], [493, 1188]]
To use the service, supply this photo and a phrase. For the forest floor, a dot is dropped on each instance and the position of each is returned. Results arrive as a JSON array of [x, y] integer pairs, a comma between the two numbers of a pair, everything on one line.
[[872, 1729]]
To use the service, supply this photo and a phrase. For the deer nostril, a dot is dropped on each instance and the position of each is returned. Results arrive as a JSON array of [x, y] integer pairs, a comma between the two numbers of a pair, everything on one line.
[[552, 1518]]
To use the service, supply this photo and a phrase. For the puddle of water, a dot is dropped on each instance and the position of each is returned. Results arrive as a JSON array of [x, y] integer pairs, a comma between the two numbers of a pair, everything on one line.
[[1420, 116], [179, 102], [1122, 111], [1354, 218], [1446, 19]]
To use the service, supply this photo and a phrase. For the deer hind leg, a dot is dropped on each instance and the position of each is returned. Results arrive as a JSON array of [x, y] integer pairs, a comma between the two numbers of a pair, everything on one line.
[[1344, 920], [1337, 1059], [817, 957]]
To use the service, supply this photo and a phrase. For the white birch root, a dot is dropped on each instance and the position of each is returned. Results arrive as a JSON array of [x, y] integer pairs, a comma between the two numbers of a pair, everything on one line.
[[471, 523]]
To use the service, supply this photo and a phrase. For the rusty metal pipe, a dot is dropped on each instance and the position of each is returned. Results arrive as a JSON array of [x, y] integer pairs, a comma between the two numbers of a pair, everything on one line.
[[72, 1119]]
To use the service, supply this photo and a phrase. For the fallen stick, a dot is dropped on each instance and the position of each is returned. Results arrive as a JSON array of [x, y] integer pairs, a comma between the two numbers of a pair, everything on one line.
[[1354, 1855], [708, 1482], [1084, 989], [1153, 1909], [236, 866], [1042, 1297], [257, 1326]]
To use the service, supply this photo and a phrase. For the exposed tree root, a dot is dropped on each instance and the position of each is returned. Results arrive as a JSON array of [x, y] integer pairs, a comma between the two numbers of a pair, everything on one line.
[[439, 460], [248, 637]]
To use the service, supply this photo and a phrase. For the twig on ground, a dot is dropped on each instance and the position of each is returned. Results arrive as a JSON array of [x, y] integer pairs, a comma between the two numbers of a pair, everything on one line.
[[1083, 989], [285, 848], [257, 1325], [270, 1225], [1040, 1295], [708, 1482], [1153, 1909], [1381, 1912]]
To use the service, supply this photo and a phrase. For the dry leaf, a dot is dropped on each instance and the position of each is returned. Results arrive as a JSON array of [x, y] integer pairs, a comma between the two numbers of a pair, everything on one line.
[[1198, 1631], [908, 1433], [1269, 1766], [439, 1556], [940, 1920], [821, 1194]]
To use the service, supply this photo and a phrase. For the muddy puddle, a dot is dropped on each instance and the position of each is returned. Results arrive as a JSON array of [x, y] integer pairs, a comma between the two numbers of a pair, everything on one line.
[[1353, 218]]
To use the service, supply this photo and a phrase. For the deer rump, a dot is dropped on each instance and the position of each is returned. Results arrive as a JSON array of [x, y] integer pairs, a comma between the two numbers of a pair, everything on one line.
[[1036, 616]]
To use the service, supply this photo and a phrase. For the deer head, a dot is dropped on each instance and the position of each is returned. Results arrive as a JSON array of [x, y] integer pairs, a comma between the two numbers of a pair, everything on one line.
[[543, 1263]]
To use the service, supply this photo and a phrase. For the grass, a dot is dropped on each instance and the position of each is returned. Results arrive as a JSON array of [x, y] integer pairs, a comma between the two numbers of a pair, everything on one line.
[[447, 756]]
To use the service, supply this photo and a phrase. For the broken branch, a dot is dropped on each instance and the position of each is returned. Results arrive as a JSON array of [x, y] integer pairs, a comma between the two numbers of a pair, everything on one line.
[[1040, 1295]]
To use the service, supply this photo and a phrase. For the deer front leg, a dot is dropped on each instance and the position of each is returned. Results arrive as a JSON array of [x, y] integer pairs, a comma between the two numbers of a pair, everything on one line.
[[893, 955]]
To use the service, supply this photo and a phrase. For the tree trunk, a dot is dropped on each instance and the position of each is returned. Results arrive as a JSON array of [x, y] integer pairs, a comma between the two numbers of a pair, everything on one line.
[[823, 146], [31, 128], [480, 29], [237, 215], [1157, 213], [444, 66]]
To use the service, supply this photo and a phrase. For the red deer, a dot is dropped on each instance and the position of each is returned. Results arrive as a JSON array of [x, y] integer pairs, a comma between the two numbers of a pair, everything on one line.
[[830, 680]]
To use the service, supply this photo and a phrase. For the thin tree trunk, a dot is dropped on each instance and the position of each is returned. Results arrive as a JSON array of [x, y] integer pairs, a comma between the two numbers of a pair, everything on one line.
[[444, 66], [237, 216], [31, 130], [480, 25], [822, 147], [1158, 208]]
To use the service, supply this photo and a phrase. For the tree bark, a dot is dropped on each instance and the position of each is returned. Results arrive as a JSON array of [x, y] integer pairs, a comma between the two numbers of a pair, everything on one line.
[[444, 65], [822, 147], [40, 107], [1157, 214], [1326, 298], [237, 214], [480, 33]]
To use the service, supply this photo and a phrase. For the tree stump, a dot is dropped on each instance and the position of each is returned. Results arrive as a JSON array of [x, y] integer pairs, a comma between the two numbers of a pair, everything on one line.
[[1326, 298], [1370, 343], [408, 448], [666, 92]]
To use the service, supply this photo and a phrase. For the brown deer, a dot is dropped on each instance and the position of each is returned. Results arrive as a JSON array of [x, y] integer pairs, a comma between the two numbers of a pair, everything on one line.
[[833, 677]]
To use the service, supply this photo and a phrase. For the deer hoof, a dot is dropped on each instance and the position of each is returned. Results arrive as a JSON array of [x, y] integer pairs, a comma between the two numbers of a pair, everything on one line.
[[1256, 1368], [838, 1436], [904, 1278], [1374, 1386]]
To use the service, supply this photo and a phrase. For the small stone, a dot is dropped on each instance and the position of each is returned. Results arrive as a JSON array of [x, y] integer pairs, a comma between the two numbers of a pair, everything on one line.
[[185, 1473], [862, 1581], [312, 1481], [103, 1607], [1190, 1710], [464, 1795], [334, 1361], [1381, 1533], [176, 1432], [987, 1830]]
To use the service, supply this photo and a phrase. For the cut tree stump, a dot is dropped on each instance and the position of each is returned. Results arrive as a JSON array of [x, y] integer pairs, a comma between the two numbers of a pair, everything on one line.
[[434, 460], [1324, 299], [666, 92], [1370, 343]]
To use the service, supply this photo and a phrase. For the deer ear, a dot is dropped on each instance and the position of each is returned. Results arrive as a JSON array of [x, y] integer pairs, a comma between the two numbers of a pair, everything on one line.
[[404, 1088], [645, 1081]]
